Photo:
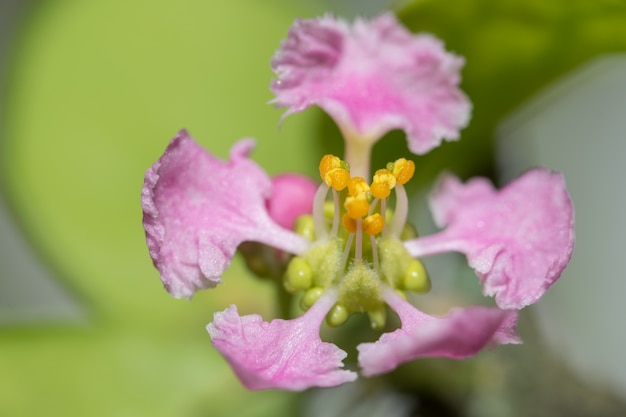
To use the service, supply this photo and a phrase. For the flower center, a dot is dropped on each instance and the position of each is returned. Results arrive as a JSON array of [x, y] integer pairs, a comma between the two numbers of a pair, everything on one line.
[[357, 242]]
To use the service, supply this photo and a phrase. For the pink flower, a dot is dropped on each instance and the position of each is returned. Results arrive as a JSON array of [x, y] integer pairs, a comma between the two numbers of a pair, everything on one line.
[[285, 354], [198, 208], [372, 77], [456, 336], [502, 233], [348, 256]]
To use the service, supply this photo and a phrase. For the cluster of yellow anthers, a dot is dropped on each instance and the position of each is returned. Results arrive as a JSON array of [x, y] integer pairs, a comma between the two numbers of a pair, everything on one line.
[[336, 174], [360, 263]]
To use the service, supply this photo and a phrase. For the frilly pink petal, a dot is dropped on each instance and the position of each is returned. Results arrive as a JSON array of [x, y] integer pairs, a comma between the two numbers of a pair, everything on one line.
[[372, 77], [198, 209], [461, 334], [519, 239], [292, 197], [281, 354]]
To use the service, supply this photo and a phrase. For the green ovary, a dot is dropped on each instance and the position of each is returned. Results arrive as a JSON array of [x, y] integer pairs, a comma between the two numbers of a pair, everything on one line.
[[360, 284], [359, 290], [394, 260], [325, 261]]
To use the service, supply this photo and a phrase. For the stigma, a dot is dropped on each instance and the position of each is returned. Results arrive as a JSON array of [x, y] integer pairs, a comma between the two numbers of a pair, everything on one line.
[[357, 237]]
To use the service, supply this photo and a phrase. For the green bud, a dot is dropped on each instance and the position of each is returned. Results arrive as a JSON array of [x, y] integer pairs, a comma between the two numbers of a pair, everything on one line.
[[377, 317], [329, 210], [299, 275], [389, 215], [337, 315], [416, 278], [408, 232], [310, 297], [305, 227]]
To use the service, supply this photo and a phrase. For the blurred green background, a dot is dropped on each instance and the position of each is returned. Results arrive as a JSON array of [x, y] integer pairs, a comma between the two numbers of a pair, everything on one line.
[[92, 93]]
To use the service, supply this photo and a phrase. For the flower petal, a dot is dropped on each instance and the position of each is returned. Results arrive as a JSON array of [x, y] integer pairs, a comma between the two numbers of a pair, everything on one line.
[[461, 334], [372, 77], [282, 354], [519, 239], [292, 197], [198, 208]]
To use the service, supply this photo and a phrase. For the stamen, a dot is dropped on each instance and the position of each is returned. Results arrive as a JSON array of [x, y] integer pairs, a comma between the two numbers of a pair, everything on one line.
[[382, 184], [357, 204], [358, 245], [357, 207], [334, 172], [374, 224], [335, 228], [319, 219], [400, 214], [403, 170], [373, 206], [357, 186], [346, 252], [327, 164], [374, 253], [349, 223]]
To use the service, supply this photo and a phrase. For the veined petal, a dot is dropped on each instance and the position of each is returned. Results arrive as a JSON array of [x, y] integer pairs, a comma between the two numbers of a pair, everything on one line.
[[198, 209], [519, 239], [372, 77], [292, 197], [461, 334], [281, 354]]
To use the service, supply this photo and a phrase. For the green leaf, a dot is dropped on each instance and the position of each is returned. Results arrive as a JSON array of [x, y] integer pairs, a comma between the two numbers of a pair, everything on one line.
[[513, 49]]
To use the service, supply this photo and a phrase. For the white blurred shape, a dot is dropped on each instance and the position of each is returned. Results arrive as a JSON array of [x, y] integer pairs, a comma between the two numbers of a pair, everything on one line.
[[28, 292], [578, 126]]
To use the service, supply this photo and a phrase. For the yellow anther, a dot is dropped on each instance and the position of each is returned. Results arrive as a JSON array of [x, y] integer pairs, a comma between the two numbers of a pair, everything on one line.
[[349, 223], [383, 183], [328, 163], [334, 172], [374, 224], [357, 186], [403, 170], [380, 190], [385, 176], [338, 178], [357, 207]]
